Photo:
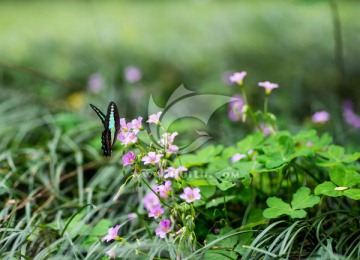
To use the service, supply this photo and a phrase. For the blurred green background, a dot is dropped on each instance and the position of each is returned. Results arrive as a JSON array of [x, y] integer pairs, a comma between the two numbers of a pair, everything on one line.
[[50, 49]]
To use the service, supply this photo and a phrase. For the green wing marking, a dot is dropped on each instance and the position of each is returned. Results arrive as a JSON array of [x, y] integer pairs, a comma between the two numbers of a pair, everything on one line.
[[113, 120], [100, 114]]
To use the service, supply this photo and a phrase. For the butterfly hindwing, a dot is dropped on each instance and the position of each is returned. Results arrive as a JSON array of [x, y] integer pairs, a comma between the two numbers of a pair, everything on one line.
[[106, 142], [110, 120]]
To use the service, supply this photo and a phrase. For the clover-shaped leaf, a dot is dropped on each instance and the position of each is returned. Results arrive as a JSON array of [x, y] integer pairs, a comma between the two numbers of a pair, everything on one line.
[[282, 152], [343, 177], [336, 156], [342, 180], [301, 200]]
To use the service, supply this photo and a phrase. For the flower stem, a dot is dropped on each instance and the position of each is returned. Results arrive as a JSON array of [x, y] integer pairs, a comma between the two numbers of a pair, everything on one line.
[[256, 122]]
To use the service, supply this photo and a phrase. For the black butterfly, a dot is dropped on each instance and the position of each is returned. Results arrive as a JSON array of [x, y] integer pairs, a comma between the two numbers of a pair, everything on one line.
[[109, 121]]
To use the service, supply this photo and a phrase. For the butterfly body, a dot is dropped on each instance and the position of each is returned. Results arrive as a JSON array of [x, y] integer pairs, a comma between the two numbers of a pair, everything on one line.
[[110, 120]]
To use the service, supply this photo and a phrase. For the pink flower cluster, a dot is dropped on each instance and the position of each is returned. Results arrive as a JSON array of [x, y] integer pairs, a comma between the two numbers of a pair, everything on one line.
[[349, 115], [235, 108], [152, 204], [173, 172], [320, 117], [128, 131], [167, 141], [164, 189], [132, 74]]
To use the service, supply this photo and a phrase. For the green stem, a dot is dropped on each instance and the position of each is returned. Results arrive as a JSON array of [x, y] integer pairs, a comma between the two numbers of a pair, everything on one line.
[[225, 211], [256, 122], [266, 107]]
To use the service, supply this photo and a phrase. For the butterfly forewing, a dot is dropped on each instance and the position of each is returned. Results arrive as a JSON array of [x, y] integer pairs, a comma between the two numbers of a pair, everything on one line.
[[113, 121], [110, 120], [99, 113]]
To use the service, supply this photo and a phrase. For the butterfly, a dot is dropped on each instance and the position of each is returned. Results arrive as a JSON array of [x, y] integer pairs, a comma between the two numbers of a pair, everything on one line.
[[110, 120]]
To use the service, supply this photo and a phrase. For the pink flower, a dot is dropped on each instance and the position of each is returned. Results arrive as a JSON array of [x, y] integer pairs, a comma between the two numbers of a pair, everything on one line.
[[349, 115], [167, 142], [235, 108], [150, 201], [156, 211], [124, 126], [127, 138], [174, 173], [237, 157], [163, 229], [320, 117], [152, 158], [170, 137], [191, 194], [111, 253], [172, 149], [268, 86], [132, 74], [238, 77], [155, 118], [95, 83], [112, 233], [132, 217], [266, 130], [128, 158], [136, 125], [164, 189]]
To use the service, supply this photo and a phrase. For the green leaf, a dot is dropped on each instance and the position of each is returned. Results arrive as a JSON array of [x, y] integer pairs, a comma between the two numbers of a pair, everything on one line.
[[220, 254], [220, 200], [244, 239], [230, 174], [343, 177], [277, 208], [250, 142], [225, 185], [202, 157], [209, 152], [251, 167], [100, 228], [207, 191], [352, 194], [335, 156], [280, 153], [336, 151], [327, 188], [210, 180], [302, 199], [255, 218], [298, 214]]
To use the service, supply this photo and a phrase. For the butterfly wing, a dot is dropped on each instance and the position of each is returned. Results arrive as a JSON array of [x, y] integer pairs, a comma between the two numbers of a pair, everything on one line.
[[106, 142], [112, 120], [100, 114]]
